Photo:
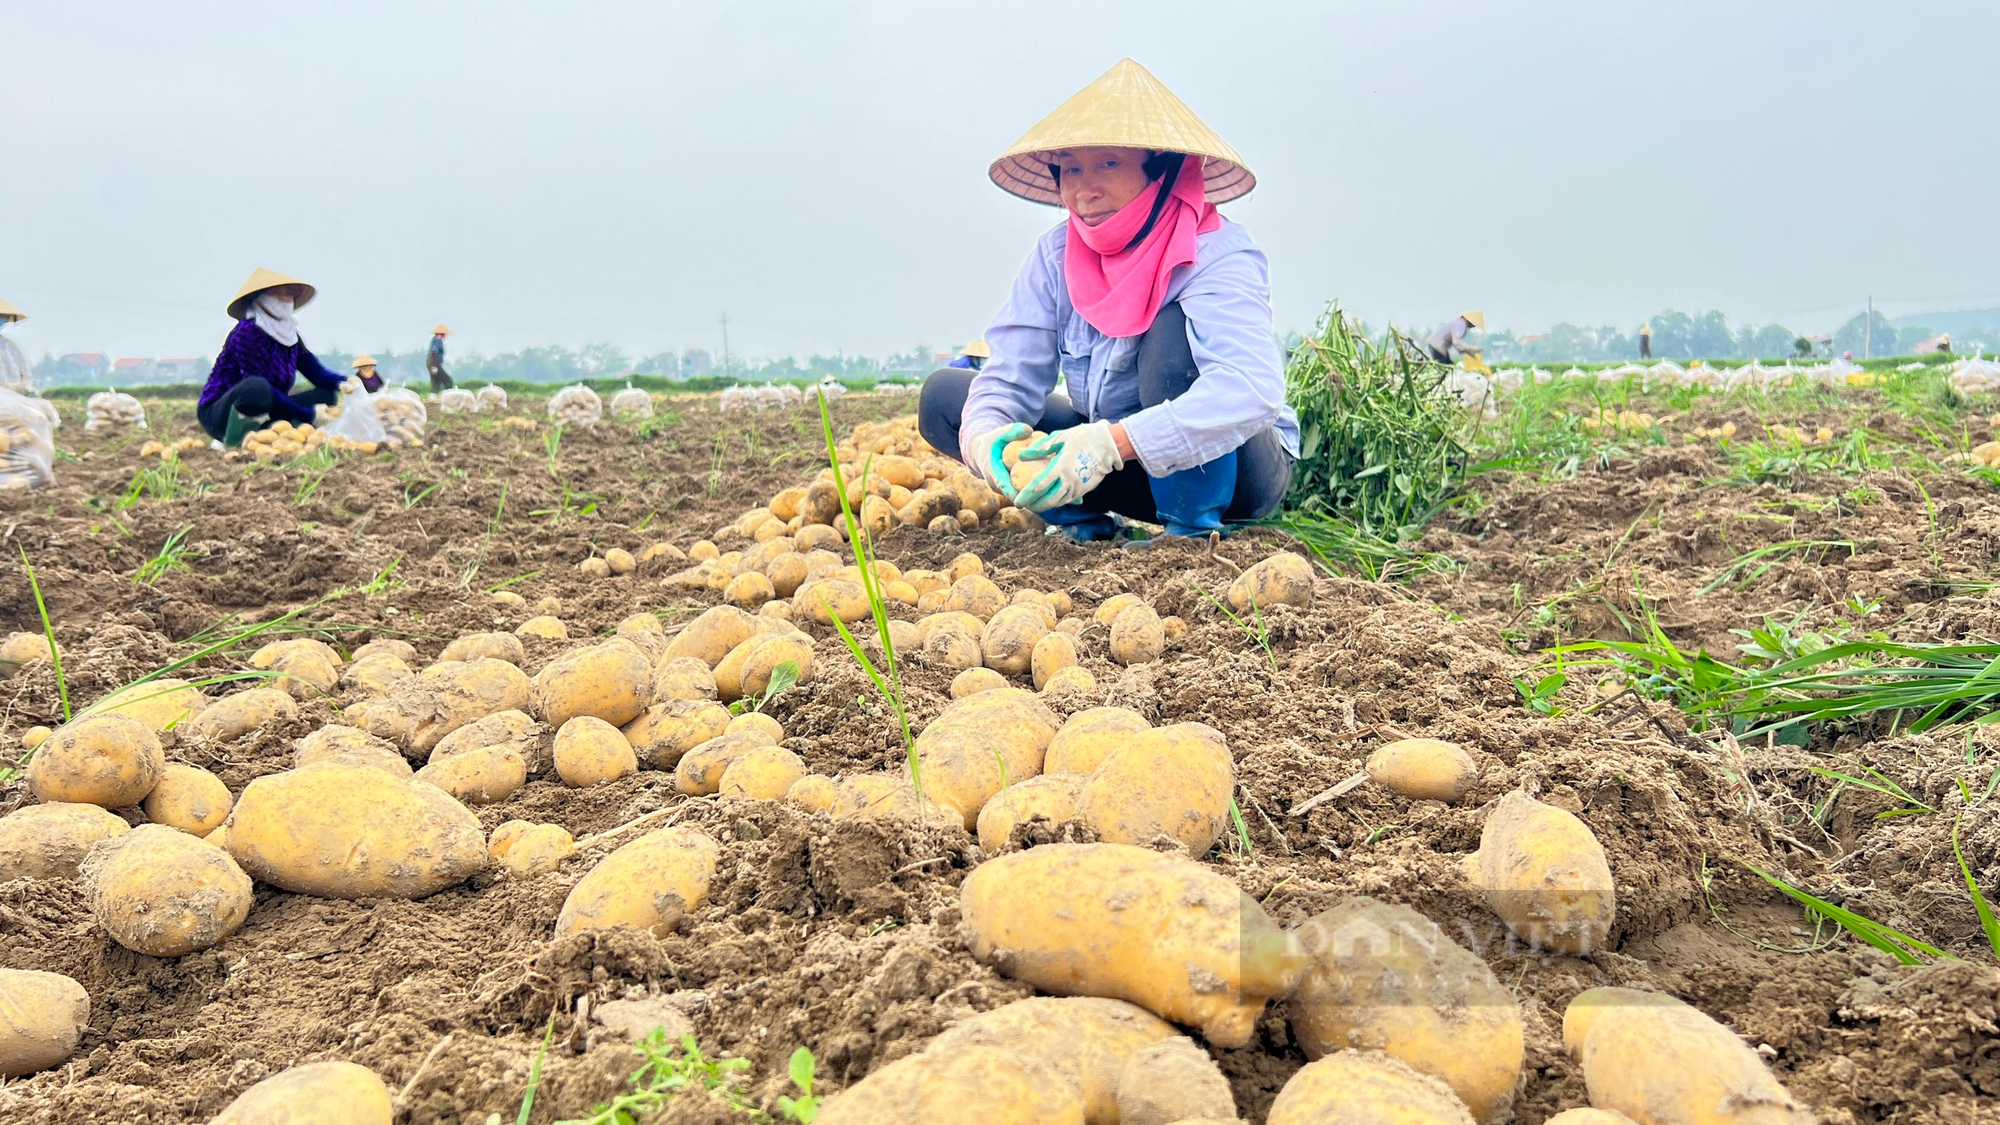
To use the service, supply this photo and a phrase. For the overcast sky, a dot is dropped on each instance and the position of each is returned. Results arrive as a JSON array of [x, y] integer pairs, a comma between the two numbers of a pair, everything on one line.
[[543, 173]]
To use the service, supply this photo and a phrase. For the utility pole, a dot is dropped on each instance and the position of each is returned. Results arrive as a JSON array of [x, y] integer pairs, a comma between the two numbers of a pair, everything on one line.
[[725, 345], [1868, 331]]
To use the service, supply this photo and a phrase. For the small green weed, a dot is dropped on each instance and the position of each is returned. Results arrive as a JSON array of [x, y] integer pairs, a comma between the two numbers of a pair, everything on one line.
[[666, 1073], [782, 678], [174, 554]]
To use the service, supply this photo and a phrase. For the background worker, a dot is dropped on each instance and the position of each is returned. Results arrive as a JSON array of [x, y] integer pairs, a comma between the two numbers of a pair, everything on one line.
[[251, 383], [1153, 309], [973, 357], [1450, 337], [15, 374], [364, 370], [434, 362], [1645, 341]]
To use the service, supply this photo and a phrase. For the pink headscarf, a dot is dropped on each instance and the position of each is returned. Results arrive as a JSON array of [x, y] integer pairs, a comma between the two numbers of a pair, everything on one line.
[[1120, 291]]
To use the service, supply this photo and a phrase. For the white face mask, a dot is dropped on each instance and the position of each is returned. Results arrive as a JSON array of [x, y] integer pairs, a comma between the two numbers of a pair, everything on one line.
[[274, 315]]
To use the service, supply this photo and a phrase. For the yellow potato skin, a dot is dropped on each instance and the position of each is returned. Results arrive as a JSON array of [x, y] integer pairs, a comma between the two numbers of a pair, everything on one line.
[[990, 1085], [42, 1017], [1424, 769], [1052, 653], [240, 713], [481, 646], [1545, 875], [1385, 978], [760, 658], [700, 770], [953, 646], [190, 799], [1108, 610], [1282, 579], [50, 841], [889, 796], [975, 594], [335, 740], [813, 793], [350, 831], [1074, 680], [1356, 1088], [1167, 781], [649, 884], [590, 751], [749, 590], [543, 627], [1660, 1062], [420, 712], [159, 704], [517, 731], [972, 681], [1089, 737], [1008, 642], [612, 681], [1127, 923], [765, 774], [1085, 1039], [709, 638], [1585, 1115], [667, 731], [1053, 796], [683, 677], [1137, 636], [112, 760], [485, 776], [161, 892], [829, 599], [523, 849], [980, 743], [1172, 1081], [322, 1093]]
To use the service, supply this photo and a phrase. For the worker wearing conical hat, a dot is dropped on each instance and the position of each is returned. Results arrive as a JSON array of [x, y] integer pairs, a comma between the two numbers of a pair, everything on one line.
[[973, 357], [1645, 341], [434, 362], [1448, 342], [250, 385], [15, 374], [1151, 308]]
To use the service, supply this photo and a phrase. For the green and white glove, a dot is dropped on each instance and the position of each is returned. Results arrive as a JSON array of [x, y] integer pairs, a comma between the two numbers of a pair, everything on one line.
[[982, 455], [1079, 459]]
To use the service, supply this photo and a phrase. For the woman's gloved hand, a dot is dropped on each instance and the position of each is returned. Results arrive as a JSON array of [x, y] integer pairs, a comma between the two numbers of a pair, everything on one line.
[[1079, 459], [982, 455]]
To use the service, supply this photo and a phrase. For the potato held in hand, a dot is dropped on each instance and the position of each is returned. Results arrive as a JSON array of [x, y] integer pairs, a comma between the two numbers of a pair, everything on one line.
[[1545, 875], [648, 884], [42, 1017], [353, 831], [1660, 1062], [161, 892], [1385, 978], [1123, 922]]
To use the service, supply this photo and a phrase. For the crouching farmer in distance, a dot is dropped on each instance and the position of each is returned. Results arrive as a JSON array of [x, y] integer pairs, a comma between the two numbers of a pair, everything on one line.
[[1153, 309]]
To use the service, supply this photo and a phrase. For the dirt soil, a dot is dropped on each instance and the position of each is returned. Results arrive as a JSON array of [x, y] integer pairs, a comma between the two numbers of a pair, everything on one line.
[[844, 937]]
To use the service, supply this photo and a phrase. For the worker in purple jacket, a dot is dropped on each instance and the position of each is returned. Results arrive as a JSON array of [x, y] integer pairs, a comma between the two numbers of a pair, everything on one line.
[[250, 386]]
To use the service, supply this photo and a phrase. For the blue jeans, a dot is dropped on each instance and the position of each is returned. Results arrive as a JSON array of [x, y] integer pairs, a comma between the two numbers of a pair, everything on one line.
[[1242, 485]]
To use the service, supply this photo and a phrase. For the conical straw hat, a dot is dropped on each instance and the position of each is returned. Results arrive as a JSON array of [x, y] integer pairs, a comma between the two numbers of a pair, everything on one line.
[[361, 361], [261, 280], [9, 313], [1128, 108], [1475, 318], [978, 349]]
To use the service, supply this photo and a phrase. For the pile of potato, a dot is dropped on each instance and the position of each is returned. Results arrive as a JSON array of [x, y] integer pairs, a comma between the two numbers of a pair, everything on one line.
[[283, 441], [1778, 431], [458, 400], [402, 414], [164, 450], [492, 397], [27, 442], [108, 410], [632, 403], [1608, 420], [575, 405]]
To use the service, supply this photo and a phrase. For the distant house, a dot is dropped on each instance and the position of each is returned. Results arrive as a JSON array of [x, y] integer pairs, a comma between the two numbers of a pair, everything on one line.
[[79, 367], [133, 370]]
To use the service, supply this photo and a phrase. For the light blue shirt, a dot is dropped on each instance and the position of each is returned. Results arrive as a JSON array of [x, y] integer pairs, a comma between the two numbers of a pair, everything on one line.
[[1226, 295]]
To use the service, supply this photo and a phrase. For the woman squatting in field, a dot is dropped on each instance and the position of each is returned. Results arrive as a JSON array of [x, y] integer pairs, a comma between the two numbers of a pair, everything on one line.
[[251, 383], [1155, 312]]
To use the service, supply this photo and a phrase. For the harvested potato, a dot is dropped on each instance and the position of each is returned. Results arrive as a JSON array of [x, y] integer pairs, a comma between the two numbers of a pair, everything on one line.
[[668, 730], [990, 1085], [975, 594], [963, 564], [1051, 796], [1658, 1061], [486, 646], [1017, 519], [1137, 637], [188, 798], [612, 681], [1282, 579], [786, 574], [953, 646], [1108, 610], [1365, 1088], [419, 713], [817, 536], [890, 796], [350, 831], [393, 647], [1545, 875], [1169, 781], [766, 773], [699, 772], [517, 731], [42, 1019], [620, 561], [161, 892], [1385, 978], [935, 621], [1008, 642], [760, 658], [1123, 922], [1170, 1081], [1585, 1115], [34, 737], [483, 775], [307, 669], [829, 599], [813, 792], [758, 721], [49, 841], [371, 675], [594, 567], [23, 648], [975, 680], [649, 884], [590, 751], [543, 627], [510, 599], [749, 590], [1089, 737], [235, 715], [642, 622], [351, 743], [1087, 1040], [683, 677], [982, 742], [321, 1093], [1424, 769], [1051, 654], [525, 849], [162, 704], [709, 637], [1075, 682], [110, 759]]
